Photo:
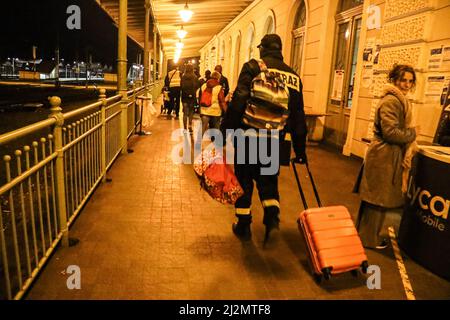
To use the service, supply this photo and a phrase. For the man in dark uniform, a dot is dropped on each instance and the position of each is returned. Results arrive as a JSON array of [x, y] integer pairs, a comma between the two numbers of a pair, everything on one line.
[[223, 80], [270, 52]]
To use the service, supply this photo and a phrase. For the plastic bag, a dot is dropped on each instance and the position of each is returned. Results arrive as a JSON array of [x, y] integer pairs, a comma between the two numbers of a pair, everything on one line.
[[217, 177], [148, 111]]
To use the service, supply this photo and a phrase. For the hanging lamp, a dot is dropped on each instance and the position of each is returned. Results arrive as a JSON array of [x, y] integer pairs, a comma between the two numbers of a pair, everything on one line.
[[181, 33], [186, 14], [179, 44]]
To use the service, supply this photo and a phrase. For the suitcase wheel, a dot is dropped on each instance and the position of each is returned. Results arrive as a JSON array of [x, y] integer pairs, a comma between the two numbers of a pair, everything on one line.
[[354, 273], [327, 273], [364, 267], [317, 278]]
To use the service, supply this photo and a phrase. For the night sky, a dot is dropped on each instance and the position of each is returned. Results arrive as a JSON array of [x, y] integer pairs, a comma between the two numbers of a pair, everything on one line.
[[24, 23]]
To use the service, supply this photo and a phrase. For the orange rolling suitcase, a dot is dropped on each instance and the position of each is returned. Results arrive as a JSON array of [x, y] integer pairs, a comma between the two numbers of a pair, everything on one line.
[[333, 243]]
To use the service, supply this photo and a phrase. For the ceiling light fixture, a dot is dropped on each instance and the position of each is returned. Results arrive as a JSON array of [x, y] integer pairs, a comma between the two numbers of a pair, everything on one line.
[[186, 14], [181, 33], [179, 44]]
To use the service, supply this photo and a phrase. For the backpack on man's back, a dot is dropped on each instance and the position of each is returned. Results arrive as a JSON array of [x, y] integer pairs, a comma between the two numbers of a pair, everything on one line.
[[267, 107]]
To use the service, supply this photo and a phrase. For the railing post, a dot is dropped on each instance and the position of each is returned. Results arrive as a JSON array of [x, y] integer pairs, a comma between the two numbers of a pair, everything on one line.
[[124, 122], [147, 42], [122, 72], [102, 98], [56, 113], [133, 113]]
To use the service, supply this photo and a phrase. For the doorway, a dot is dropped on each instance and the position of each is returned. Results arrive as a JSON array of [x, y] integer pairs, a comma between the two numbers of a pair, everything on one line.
[[342, 78]]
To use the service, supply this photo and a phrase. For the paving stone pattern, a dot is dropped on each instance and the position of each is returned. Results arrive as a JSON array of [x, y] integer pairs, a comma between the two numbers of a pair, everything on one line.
[[153, 234]]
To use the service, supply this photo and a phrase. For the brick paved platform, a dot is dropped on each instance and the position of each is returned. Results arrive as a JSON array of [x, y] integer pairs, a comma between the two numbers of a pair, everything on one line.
[[153, 234]]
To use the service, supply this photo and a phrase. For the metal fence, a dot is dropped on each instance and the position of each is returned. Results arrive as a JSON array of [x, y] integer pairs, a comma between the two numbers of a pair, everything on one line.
[[49, 181]]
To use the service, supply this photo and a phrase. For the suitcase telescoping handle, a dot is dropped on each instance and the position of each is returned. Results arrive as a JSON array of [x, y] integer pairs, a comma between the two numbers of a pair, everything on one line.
[[302, 195]]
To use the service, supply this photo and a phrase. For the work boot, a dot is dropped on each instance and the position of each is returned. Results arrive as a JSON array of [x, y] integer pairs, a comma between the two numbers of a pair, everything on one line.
[[272, 222], [241, 228]]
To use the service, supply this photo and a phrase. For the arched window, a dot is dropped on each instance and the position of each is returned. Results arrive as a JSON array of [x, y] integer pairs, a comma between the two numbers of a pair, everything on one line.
[[237, 53], [300, 17], [298, 34], [207, 60], [229, 53], [222, 52], [212, 58], [269, 26], [250, 42]]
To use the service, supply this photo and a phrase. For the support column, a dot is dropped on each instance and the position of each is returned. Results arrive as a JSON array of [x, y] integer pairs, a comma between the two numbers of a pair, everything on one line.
[[122, 72], [147, 43], [155, 39]]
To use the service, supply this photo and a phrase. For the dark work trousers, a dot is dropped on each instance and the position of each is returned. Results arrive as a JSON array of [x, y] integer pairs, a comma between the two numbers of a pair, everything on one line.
[[267, 185], [188, 112], [174, 94]]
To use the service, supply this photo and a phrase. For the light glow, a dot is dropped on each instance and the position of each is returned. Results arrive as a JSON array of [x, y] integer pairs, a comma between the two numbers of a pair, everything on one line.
[[180, 45], [347, 34], [181, 33], [186, 14]]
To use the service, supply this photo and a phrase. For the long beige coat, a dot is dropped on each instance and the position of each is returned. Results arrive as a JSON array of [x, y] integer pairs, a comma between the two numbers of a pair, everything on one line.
[[381, 181]]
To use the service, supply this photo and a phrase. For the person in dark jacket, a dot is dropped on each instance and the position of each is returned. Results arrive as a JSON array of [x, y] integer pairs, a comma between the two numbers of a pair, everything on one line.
[[205, 78], [189, 86], [270, 52], [223, 80]]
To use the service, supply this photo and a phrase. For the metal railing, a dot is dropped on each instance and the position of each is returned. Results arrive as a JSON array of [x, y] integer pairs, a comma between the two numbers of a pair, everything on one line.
[[48, 183]]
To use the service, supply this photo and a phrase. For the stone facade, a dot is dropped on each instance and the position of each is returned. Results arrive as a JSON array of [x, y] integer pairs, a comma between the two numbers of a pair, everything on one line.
[[407, 32]]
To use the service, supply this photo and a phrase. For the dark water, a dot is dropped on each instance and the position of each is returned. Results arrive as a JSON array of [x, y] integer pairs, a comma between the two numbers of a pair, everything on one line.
[[12, 118]]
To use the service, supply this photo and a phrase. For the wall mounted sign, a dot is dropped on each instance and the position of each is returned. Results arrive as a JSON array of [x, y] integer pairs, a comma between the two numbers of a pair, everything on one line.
[[338, 83]]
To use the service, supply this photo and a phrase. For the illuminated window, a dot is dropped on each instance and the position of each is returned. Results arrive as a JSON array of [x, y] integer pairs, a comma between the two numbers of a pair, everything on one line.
[[298, 34], [269, 26]]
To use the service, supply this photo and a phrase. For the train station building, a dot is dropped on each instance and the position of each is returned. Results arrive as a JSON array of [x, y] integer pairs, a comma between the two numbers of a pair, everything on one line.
[[92, 207]]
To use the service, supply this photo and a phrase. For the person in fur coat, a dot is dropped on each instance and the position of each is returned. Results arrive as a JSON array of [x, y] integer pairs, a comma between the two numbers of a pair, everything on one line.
[[388, 158]]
